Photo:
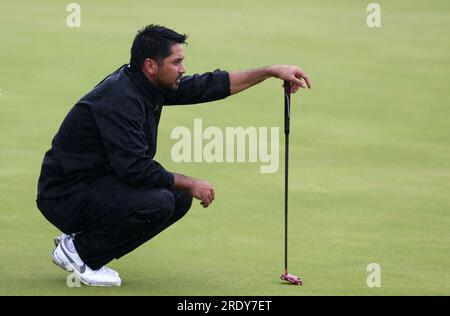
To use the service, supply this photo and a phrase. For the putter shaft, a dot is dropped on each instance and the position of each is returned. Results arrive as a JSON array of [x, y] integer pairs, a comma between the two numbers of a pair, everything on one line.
[[287, 118], [287, 114]]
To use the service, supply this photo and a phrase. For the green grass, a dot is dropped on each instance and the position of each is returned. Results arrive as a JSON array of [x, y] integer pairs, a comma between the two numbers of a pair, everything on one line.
[[370, 154]]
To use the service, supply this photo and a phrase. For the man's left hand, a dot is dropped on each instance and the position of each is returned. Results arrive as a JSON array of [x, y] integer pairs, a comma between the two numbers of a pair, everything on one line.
[[297, 77]]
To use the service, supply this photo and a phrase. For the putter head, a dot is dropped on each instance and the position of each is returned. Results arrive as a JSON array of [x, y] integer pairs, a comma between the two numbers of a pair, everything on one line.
[[291, 278]]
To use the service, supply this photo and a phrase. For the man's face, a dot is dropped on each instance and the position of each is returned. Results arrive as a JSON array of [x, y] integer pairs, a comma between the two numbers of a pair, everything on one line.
[[171, 68]]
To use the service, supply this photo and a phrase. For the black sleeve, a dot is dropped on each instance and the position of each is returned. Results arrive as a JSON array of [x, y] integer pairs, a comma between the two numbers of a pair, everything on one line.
[[197, 88], [121, 127]]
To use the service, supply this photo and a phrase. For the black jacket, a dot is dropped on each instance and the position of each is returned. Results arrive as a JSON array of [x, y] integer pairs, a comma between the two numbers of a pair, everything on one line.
[[113, 129]]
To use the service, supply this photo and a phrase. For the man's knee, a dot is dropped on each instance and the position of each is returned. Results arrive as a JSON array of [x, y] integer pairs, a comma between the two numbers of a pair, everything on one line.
[[183, 200], [165, 205], [160, 203], [165, 202]]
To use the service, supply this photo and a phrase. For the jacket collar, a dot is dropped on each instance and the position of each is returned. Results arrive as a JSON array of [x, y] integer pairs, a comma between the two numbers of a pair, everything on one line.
[[144, 85]]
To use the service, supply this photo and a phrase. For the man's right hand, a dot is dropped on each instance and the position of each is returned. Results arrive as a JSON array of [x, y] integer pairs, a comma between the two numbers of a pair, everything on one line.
[[199, 189], [203, 191]]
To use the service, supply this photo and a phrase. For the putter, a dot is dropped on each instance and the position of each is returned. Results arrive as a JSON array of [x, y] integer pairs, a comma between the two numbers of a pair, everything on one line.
[[287, 113]]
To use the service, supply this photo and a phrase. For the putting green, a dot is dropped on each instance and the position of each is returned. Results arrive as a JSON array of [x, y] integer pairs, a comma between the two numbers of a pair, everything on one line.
[[370, 155]]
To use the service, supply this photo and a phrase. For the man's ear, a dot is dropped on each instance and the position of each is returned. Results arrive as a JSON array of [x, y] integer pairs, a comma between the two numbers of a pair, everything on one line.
[[150, 66]]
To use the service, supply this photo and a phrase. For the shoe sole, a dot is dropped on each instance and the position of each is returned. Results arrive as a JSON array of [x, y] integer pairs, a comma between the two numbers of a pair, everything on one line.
[[98, 284]]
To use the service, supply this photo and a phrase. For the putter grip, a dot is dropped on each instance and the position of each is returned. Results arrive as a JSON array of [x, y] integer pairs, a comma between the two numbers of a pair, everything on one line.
[[287, 106]]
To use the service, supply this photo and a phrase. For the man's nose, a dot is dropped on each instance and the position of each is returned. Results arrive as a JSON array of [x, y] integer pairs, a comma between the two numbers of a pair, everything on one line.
[[181, 69]]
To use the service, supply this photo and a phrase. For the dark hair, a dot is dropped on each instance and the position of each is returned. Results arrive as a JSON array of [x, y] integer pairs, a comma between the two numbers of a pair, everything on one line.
[[155, 42]]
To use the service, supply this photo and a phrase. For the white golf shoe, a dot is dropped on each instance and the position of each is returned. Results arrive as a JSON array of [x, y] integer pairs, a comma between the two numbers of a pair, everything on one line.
[[58, 239], [70, 261]]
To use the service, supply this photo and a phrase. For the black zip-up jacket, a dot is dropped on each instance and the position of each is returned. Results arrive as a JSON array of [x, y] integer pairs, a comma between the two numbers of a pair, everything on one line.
[[113, 129]]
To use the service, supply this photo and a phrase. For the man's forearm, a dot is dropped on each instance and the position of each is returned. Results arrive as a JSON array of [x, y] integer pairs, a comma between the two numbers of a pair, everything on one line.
[[241, 80], [182, 182], [244, 79]]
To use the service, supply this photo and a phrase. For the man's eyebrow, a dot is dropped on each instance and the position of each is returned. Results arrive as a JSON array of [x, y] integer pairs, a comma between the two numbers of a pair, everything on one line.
[[179, 59]]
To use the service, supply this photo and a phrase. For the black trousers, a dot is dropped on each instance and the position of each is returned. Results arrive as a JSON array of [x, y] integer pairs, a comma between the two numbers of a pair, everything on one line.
[[112, 218]]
